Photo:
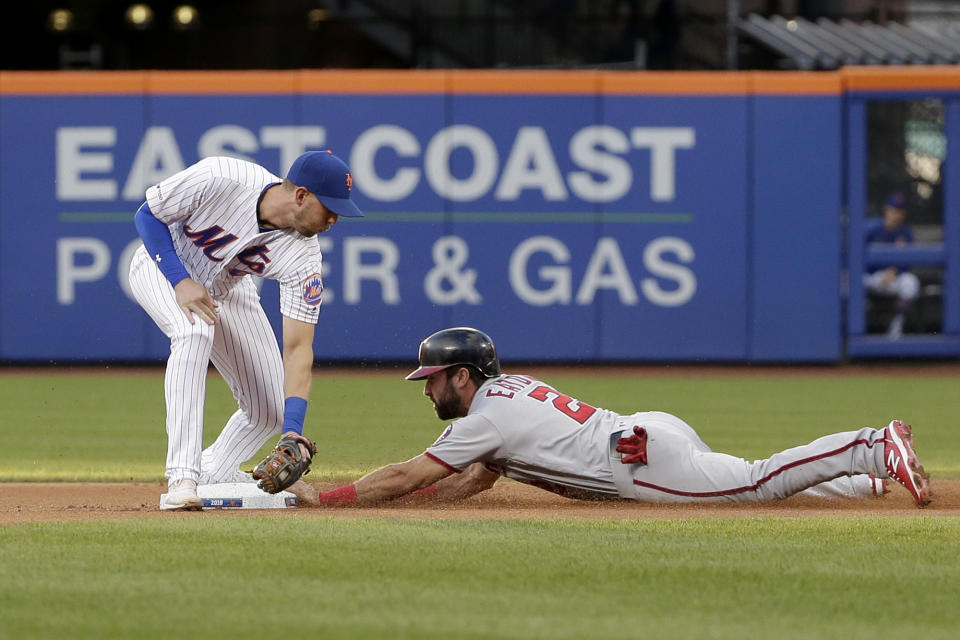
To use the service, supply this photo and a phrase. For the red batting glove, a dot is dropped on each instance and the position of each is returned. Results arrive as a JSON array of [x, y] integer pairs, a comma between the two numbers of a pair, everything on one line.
[[635, 447]]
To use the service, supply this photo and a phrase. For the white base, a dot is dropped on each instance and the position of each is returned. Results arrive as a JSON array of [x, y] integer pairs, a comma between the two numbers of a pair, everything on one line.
[[243, 495]]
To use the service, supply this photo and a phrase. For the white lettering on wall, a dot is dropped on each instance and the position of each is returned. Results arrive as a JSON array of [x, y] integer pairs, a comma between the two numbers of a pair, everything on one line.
[[663, 143], [383, 271], [607, 270], [292, 142], [384, 188], [655, 263], [600, 156], [531, 165], [157, 158], [75, 158], [483, 153], [596, 150], [228, 140], [558, 277], [69, 269]]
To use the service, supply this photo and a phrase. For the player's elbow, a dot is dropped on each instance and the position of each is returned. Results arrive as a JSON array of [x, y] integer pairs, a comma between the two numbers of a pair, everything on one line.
[[479, 486], [479, 478]]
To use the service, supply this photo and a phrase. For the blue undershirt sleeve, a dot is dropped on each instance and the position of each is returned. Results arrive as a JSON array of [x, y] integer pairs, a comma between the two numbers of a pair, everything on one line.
[[294, 412], [159, 243]]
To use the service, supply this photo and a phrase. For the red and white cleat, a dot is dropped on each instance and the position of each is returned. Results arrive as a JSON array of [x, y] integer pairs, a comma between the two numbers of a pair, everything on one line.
[[879, 486], [902, 462]]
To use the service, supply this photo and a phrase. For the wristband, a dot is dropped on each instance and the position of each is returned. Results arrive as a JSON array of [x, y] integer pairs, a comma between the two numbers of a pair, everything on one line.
[[294, 412], [341, 496]]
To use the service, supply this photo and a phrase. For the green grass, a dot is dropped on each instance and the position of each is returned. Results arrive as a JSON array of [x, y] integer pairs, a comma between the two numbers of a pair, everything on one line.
[[222, 575], [205, 577], [109, 427]]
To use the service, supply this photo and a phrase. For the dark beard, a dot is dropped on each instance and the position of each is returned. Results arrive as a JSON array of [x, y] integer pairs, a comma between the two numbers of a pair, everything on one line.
[[448, 404], [448, 408]]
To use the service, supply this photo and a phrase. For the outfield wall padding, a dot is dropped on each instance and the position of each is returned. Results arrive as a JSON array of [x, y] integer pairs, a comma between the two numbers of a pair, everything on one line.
[[595, 216]]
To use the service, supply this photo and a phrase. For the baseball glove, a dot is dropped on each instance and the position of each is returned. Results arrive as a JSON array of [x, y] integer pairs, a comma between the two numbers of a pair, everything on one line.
[[285, 464]]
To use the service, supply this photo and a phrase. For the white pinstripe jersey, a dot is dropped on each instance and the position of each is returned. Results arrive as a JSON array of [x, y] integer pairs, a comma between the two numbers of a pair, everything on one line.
[[524, 429], [211, 210]]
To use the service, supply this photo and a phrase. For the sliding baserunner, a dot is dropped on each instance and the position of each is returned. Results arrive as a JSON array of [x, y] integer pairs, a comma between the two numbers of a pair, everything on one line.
[[520, 427]]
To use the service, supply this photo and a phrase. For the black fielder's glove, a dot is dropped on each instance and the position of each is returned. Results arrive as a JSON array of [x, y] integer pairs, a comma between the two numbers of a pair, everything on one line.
[[285, 464]]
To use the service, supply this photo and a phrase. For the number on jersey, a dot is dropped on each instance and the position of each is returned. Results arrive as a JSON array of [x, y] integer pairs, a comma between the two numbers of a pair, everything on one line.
[[579, 411]]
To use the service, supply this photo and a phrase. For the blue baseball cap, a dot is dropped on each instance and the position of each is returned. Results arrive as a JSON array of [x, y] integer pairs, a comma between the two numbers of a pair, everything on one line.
[[897, 201], [327, 177]]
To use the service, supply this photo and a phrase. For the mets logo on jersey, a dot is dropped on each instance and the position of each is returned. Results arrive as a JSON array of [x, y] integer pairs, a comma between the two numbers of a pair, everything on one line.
[[313, 289]]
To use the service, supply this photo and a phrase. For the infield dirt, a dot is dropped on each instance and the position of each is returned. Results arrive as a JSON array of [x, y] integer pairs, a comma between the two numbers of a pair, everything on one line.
[[51, 502]]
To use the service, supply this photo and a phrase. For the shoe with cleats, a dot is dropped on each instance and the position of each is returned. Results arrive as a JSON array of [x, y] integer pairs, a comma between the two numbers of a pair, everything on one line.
[[181, 496], [902, 462]]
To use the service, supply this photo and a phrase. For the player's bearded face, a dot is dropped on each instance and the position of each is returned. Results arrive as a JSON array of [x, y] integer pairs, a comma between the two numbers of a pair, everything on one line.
[[446, 402]]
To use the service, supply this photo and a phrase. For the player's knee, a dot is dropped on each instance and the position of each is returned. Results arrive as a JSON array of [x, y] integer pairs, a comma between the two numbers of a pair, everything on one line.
[[266, 415], [272, 419], [197, 336]]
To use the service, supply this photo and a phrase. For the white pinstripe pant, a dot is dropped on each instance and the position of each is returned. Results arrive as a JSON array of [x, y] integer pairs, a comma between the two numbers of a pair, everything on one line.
[[243, 348]]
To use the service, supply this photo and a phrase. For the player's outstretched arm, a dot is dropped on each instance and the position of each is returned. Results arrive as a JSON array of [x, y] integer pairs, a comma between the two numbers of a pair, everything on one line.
[[395, 480], [386, 483], [292, 455]]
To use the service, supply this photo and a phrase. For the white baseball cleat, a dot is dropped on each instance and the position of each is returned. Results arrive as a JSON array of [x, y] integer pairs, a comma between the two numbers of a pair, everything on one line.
[[902, 462], [181, 496]]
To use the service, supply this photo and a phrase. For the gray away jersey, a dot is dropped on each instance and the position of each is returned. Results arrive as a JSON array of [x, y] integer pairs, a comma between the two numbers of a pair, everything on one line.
[[211, 210], [523, 429]]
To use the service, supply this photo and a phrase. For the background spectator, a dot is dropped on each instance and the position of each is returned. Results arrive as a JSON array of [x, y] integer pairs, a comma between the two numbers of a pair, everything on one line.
[[890, 281]]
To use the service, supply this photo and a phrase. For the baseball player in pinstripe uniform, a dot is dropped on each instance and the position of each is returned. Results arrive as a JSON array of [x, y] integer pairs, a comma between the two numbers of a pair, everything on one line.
[[522, 428], [205, 230]]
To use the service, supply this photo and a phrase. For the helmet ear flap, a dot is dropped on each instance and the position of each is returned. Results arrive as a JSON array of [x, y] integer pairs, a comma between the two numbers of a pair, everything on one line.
[[458, 345]]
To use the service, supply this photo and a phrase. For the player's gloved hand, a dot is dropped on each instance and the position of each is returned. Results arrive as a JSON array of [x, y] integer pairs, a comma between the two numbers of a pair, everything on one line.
[[634, 447], [289, 460]]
